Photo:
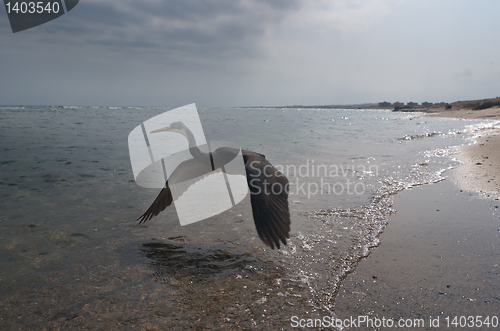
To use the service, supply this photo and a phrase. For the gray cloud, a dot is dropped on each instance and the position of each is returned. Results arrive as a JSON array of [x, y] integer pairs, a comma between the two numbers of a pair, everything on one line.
[[252, 52], [222, 28]]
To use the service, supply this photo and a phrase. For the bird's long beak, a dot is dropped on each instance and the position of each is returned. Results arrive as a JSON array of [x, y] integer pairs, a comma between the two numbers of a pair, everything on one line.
[[166, 129]]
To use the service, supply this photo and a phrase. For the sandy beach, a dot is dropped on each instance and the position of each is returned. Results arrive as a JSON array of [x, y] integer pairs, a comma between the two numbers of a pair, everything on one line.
[[481, 161]]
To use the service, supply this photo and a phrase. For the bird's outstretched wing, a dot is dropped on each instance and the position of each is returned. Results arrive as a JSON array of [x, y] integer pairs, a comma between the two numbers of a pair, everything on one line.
[[268, 195], [186, 174], [269, 199], [162, 201]]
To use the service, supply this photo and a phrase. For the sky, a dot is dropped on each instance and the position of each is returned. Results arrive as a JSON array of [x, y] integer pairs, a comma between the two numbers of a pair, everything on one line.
[[224, 53]]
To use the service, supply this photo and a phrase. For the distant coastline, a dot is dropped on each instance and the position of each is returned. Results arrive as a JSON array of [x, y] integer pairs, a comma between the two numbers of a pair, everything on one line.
[[426, 107], [472, 105]]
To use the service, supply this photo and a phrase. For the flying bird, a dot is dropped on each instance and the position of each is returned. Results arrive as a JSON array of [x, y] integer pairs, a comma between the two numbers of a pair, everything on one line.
[[268, 186]]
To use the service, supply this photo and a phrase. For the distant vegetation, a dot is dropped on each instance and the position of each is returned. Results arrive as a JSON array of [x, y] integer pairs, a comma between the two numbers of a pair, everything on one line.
[[428, 106], [411, 106]]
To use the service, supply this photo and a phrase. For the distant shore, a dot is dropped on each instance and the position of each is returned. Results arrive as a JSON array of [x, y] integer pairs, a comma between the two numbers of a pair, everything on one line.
[[450, 108], [492, 113]]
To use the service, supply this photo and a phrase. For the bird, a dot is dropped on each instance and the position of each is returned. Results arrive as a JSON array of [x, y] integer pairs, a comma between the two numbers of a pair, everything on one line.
[[268, 186]]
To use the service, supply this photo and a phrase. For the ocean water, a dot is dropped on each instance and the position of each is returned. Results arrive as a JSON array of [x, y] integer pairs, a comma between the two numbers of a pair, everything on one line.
[[72, 256]]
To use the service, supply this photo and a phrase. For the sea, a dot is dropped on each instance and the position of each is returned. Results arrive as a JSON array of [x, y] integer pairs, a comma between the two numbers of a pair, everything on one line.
[[73, 256]]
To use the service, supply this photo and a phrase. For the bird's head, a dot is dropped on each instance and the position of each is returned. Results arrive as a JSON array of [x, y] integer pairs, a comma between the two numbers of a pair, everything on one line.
[[177, 127]]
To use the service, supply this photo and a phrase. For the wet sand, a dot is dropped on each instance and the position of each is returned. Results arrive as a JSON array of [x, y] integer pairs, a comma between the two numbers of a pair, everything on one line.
[[439, 254], [438, 257]]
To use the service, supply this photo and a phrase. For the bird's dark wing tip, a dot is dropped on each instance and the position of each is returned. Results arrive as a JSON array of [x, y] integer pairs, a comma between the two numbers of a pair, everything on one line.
[[162, 201]]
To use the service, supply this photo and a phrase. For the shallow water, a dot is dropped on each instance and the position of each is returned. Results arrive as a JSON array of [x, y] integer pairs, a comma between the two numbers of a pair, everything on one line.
[[72, 255]]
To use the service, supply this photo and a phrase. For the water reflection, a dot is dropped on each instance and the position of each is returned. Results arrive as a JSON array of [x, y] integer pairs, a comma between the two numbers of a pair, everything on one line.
[[181, 259]]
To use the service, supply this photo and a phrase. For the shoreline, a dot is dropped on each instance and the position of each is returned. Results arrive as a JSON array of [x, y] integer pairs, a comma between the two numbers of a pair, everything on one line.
[[437, 257], [481, 160]]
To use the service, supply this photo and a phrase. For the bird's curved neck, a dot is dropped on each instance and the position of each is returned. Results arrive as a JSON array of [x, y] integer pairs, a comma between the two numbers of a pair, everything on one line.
[[195, 151]]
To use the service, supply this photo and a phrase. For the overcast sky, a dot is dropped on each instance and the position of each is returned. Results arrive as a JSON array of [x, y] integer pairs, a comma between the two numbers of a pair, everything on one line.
[[252, 53]]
